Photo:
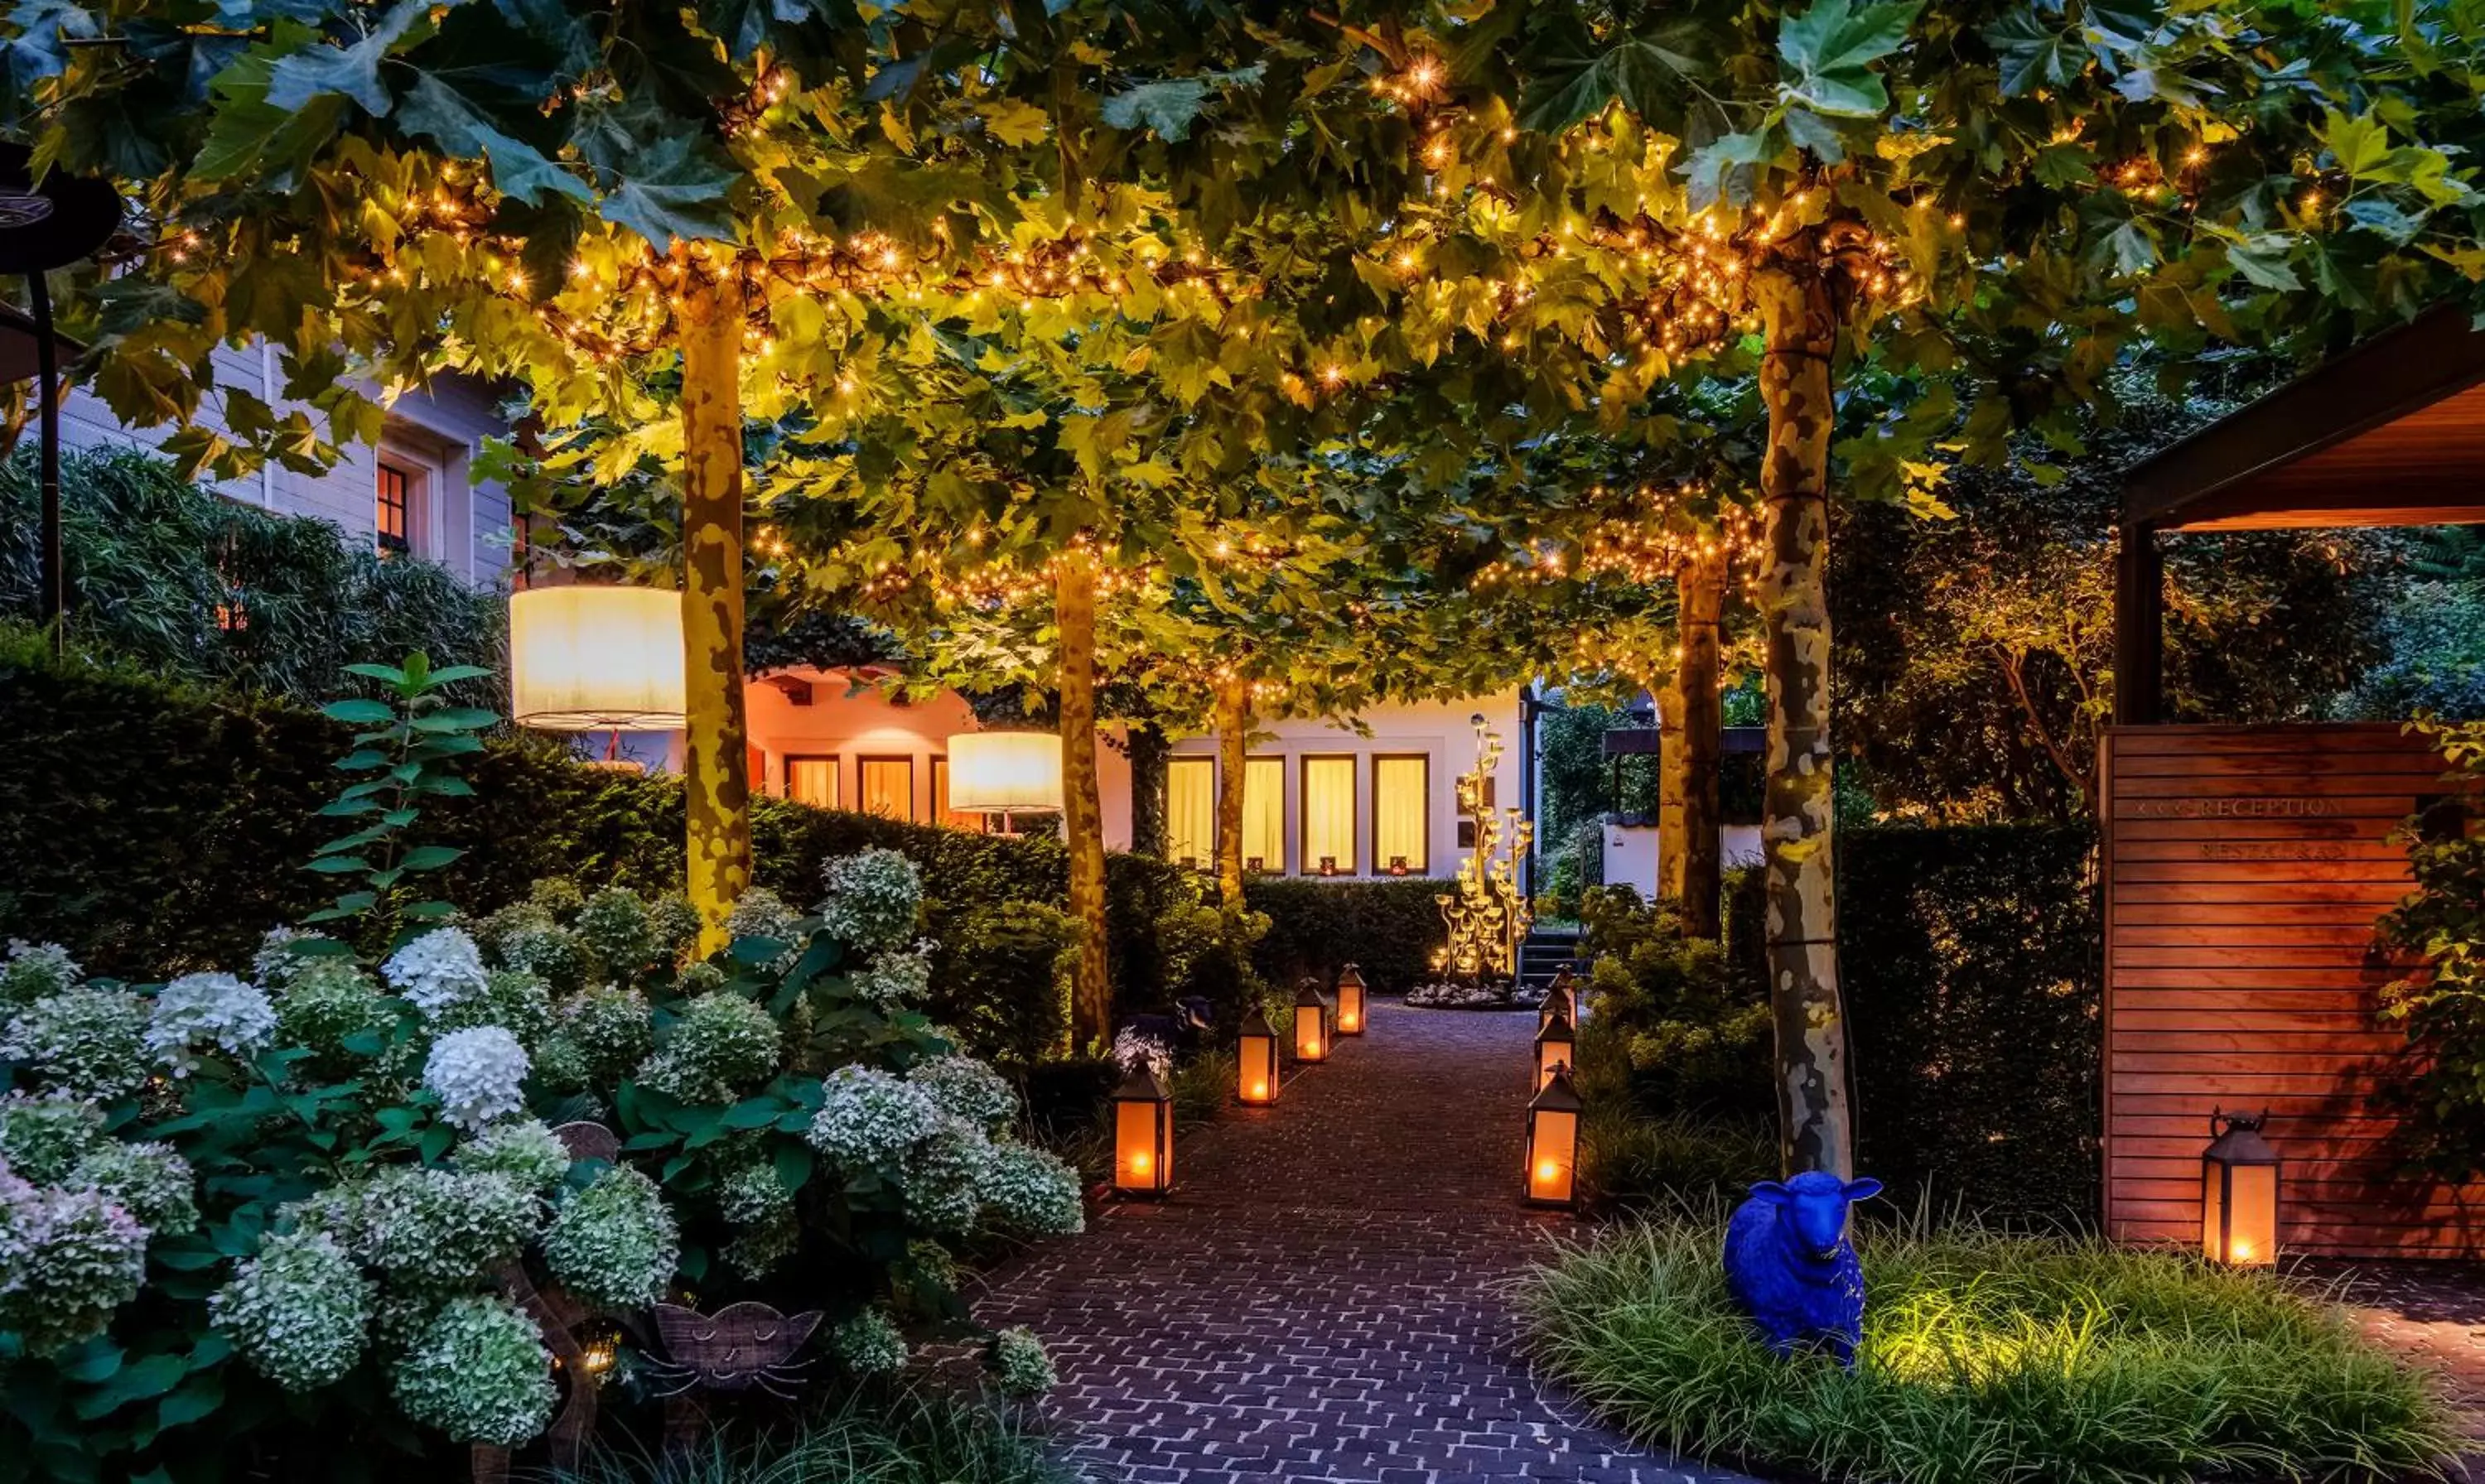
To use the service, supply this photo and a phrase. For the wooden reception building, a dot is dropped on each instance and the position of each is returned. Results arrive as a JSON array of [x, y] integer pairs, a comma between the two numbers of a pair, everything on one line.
[[2244, 866]]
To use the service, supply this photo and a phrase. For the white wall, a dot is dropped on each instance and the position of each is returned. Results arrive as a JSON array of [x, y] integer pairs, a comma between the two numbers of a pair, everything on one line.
[[851, 723], [435, 435], [1631, 853], [1440, 731]]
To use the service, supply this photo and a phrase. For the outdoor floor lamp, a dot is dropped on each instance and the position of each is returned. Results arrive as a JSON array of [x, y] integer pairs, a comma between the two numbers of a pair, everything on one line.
[[1350, 1000], [1554, 1143], [1311, 1024], [1556, 1050], [1142, 1135], [1255, 1084], [2239, 1193]]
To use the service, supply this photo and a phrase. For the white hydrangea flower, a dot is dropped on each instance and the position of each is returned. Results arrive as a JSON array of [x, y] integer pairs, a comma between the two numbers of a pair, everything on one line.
[[297, 1311], [868, 1344], [942, 1178], [217, 1010], [870, 1116], [437, 970], [873, 899], [525, 1149], [67, 1259], [151, 1181], [480, 1074], [1020, 1364], [275, 959], [896, 980], [477, 1371], [1030, 1190], [89, 1041], [34, 970], [433, 1230], [1134, 1048], [968, 1087], [615, 1243]]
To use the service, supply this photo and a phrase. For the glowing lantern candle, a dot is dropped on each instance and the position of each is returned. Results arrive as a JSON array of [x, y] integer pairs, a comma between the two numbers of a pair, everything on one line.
[[1256, 1085], [1556, 1050], [1350, 1000], [1554, 1143], [1561, 998], [2239, 1193], [1311, 1025], [1005, 773], [585, 658], [1142, 1135]]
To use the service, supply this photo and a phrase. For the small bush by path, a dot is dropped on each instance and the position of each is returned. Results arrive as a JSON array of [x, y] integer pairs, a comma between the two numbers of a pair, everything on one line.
[[916, 1436], [1986, 1359]]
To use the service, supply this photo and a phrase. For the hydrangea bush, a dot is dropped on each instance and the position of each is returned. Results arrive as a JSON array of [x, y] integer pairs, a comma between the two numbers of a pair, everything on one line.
[[794, 1130]]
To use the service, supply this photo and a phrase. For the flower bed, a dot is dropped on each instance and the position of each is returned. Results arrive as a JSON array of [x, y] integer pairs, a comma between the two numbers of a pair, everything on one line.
[[1489, 994], [1986, 1357]]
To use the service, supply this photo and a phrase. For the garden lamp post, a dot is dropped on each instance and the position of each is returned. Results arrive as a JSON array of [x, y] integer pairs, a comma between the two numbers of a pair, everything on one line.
[[1142, 1135], [1311, 1024], [2239, 1174], [1255, 1085], [1554, 1143], [1350, 1000], [1556, 1050], [584, 658]]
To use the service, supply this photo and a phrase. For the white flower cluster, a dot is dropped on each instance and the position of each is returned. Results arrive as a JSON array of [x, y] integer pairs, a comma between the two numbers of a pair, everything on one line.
[[967, 1089], [1020, 1364], [872, 1118], [477, 1371], [436, 971], [478, 1074], [942, 1178], [894, 980], [523, 1150], [757, 1204], [615, 1243], [613, 1029], [44, 1137], [761, 914], [297, 1310], [87, 1041], [323, 1001], [433, 1230], [614, 926], [868, 1344], [1032, 1189], [276, 961], [67, 1259], [33, 970], [873, 899], [209, 1010], [151, 1181], [722, 1046], [1134, 1048]]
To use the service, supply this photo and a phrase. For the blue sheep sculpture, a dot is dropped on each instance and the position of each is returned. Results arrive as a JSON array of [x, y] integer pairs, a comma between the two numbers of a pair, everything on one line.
[[1790, 1267]]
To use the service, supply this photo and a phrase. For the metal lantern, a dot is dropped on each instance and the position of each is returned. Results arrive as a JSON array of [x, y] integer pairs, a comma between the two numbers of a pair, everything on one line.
[[1328, 864], [2239, 1174], [590, 659], [1554, 1143], [1561, 998], [1142, 1135], [1556, 1050], [1256, 1084], [1350, 1000], [1311, 1024]]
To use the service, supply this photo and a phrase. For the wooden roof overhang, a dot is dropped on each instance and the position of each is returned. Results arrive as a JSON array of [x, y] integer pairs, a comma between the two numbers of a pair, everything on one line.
[[2391, 433]]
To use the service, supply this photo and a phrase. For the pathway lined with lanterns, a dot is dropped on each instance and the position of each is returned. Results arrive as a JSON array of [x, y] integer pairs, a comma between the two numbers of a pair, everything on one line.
[[1321, 1298]]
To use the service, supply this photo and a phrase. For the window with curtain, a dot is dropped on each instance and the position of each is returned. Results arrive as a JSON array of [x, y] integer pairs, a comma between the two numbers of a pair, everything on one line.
[[1401, 812], [941, 813], [1328, 815], [1190, 811], [889, 788], [812, 781], [1264, 814]]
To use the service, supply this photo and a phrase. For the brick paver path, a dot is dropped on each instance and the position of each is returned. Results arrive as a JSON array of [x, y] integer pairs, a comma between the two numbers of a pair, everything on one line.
[[1321, 1298]]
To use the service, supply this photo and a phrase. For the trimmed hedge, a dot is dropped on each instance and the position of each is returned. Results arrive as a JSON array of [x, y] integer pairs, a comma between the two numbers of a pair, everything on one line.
[[155, 828], [1973, 965], [1389, 930]]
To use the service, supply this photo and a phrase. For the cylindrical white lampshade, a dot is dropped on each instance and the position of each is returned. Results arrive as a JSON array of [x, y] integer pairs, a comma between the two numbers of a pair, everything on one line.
[[596, 659], [1004, 772]]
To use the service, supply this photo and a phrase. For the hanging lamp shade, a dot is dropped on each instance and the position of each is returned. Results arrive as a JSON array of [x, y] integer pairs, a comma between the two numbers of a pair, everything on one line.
[[587, 659], [1005, 773]]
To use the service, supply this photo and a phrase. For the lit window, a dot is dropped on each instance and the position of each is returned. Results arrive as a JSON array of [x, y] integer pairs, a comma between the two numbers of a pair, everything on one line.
[[392, 511], [1190, 811], [812, 781], [1401, 811], [940, 810], [889, 787], [1264, 814], [1329, 817]]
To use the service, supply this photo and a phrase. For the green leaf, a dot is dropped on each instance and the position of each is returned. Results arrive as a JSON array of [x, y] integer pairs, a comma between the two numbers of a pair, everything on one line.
[[1829, 51], [1170, 105], [359, 711], [387, 672], [352, 70], [339, 865], [450, 674], [139, 1381], [198, 1397], [429, 857], [1571, 76], [464, 127], [457, 719], [2360, 145], [660, 180], [2033, 55]]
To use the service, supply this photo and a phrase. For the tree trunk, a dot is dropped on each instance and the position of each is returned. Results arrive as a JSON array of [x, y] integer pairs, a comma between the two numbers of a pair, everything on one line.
[[1082, 806], [1233, 746], [716, 757], [1699, 587], [1800, 328], [1150, 757], [1673, 784]]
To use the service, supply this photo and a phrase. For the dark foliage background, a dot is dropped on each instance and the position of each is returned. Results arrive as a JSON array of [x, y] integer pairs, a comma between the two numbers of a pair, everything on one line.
[[1388, 928]]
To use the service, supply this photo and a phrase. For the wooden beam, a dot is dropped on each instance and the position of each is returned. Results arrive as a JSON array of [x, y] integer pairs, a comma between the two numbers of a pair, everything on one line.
[[2138, 627]]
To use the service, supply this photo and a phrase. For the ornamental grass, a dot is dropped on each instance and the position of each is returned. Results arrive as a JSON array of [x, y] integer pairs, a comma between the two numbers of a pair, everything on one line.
[[1987, 1359]]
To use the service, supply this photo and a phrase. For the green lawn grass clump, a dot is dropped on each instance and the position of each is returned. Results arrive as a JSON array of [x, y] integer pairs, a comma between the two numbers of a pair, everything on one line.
[[916, 1434], [1988, 1359]]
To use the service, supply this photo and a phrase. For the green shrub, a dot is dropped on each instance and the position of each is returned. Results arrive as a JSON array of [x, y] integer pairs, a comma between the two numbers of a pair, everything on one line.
[[1693, 1024], [2440, 929], [1632, 1157], [911, 1436], [1986, 1359], [1390, 929]]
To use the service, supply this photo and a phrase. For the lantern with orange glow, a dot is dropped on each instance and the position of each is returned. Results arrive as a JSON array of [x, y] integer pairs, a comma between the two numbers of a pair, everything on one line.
[[1350, 1000], [1256, 1085], [2239, 1193], [1554, 1143], [1561, 997], [1311, 1024], [1556, 1050], [590, 659], [1142, 1135]]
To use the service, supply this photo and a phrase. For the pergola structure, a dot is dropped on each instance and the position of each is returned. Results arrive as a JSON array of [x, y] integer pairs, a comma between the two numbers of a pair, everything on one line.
[[2245, 865]]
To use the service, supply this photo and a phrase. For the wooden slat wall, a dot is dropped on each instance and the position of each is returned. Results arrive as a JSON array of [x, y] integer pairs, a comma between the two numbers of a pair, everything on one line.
[[2244, 869]]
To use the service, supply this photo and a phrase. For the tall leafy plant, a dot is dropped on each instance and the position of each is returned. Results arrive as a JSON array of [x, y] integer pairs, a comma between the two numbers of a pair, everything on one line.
[[2441, 999]]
